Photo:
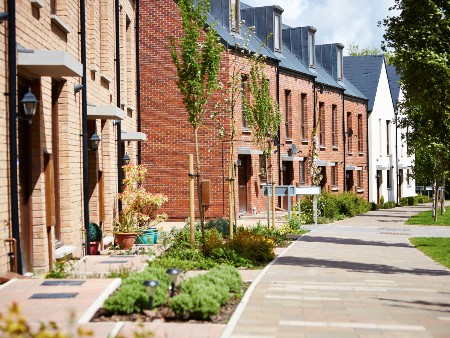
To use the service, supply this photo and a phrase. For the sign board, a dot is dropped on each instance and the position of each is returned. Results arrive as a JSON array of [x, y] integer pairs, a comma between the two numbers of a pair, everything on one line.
[[308, 190]]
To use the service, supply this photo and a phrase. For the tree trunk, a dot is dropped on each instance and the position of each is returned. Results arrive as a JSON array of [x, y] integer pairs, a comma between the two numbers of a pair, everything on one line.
[[435, 200], [199, 188], [267, 187], [443, 195]]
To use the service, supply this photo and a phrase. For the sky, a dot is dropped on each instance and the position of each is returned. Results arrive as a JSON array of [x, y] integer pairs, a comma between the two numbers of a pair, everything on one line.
[[343, 21]]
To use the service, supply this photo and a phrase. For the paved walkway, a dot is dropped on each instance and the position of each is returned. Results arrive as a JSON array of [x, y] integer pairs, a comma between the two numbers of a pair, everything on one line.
[[359, 277], [356, 277]]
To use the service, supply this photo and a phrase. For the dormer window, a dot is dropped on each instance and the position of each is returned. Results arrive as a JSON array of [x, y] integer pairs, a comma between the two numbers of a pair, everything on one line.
[[340, 70], [277, 33], [235, 15], [311, 50]]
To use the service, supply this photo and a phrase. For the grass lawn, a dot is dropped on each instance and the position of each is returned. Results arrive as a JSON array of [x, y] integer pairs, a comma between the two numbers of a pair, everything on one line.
[[436, 248], [426, 218]]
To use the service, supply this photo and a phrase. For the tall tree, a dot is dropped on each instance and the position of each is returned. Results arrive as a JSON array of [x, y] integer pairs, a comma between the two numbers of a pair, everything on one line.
[[197, 60], [419, 35], [262, 112]]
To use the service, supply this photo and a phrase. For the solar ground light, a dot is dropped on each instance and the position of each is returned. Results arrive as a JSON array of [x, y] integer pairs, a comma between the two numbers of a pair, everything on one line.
[[150, 287], [173, 274]]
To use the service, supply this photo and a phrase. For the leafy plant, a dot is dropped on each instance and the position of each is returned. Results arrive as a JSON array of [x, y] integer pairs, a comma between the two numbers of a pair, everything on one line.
[[95, 232], [202, 296], [221, 224], [132, 297], [252, 246]]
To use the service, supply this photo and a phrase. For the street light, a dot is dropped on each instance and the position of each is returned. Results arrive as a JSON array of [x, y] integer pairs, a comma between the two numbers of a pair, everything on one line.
[[150, 287], [173, 275]]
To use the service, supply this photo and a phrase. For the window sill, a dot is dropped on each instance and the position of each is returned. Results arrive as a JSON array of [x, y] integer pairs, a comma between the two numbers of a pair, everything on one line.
[[246, 131], [57, 21], [360, 154], [349, 154], [305, 141], [334, 188], [359, 190], [106, 78], [288, 140], [323, 148], [335, 148]]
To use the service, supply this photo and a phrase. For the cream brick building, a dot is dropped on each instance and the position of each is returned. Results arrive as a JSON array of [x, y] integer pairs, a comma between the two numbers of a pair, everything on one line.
[[50, 149]]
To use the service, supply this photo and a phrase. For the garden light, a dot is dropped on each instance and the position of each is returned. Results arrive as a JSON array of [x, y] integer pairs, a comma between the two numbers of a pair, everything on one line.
[[173, 275], [150, 287]]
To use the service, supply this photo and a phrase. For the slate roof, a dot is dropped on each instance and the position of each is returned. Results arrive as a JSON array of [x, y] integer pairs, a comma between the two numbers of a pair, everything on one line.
[[394, 83], [364, 73]]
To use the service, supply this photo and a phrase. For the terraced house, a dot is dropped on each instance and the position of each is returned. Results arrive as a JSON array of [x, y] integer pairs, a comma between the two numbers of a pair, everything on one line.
[[307, 80], [77, 61]]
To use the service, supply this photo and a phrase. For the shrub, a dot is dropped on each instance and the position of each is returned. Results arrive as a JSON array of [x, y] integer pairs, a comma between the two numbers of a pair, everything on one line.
[[423, 199], [213, 240], [132, 297], [374, 206], [381, 200], [404, 201], [95, 232], [351, 205], [252, 246], [226, 255], [221, 224], [202, 296], [411, 200]]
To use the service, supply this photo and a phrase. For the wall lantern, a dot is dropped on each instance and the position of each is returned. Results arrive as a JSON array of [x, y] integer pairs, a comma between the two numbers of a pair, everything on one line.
[[29, 102], [95, 140], [126, 159]]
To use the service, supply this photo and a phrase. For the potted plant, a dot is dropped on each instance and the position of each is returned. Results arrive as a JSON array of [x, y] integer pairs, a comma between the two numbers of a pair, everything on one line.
[[95, 236], [140, 206], [125, 230]]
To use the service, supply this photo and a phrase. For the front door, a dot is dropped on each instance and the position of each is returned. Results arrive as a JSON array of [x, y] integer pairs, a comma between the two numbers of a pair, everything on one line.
[[288, 171], [348, 180], [400, 182], [379, 182], [242, 182]]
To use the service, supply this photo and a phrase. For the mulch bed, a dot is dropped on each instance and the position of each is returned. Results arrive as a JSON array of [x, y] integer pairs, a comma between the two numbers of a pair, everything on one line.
[[165, 313]]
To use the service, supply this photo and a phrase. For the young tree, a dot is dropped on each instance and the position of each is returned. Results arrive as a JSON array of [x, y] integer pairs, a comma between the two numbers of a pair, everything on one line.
[[262, 112], [197, 61], [420, 39]]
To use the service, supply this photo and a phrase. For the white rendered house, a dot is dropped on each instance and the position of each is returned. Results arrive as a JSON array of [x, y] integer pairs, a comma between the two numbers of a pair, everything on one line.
[[369, 74]]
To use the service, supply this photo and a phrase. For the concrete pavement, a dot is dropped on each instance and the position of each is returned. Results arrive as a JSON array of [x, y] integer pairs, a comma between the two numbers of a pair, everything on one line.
[[359, 277]]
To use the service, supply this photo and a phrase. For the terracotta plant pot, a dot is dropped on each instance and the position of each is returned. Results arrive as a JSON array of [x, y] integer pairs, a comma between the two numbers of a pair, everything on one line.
[[93, 248], [125, 241]]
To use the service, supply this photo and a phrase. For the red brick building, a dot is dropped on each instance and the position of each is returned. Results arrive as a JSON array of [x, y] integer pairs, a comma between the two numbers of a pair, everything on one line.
[[306, 80]]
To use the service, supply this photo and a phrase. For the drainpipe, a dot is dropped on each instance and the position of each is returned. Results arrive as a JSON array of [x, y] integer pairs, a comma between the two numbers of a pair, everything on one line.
[[12, 89], [279, 133], [84, 125], [138, 83], [315, 99], [119, 125], [345, 145]]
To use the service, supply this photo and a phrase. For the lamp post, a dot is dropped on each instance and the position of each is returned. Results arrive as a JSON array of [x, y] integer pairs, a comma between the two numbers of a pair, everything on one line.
[[150, 287], [173, 275]]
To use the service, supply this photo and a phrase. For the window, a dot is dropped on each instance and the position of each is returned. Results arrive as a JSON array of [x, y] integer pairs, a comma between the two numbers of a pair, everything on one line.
[[339, 64], [388, 137], [322, 124], [389, 179], [334, 132], [333, 176], [360, 134], [349, 134], [277, 33], [303, 116], [244, 98], [311, 50], [359, 179], [302, 172], [262, 168], [287, 113], [235, 14]]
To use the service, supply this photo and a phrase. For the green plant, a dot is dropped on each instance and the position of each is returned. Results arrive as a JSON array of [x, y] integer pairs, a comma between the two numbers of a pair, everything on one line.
[[132, 297], [404, 201], [252, 246], [202, 296], [95, 232], [221, 224], [381, 199], [373, 206], [61, 267], [411, 200]]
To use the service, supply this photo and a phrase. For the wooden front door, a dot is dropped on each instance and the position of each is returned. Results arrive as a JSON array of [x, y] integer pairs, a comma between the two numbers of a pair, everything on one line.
[[288, 171], [242, 183]]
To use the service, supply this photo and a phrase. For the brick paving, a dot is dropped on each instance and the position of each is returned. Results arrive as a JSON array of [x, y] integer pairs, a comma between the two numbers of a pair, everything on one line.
[[359, 277]]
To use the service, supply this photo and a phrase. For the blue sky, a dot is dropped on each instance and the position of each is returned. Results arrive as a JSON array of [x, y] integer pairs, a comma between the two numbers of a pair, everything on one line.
[[344, 21]]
